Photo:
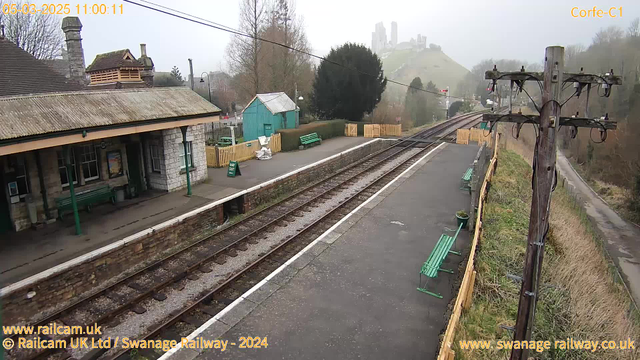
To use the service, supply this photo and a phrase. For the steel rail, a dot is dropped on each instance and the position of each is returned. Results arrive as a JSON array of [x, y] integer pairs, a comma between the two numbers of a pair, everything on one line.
[[176, 316]]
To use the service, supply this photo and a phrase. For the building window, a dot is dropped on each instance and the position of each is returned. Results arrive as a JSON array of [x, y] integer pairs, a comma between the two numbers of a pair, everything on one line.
[[64, 180], [189, 155], [89, 162], [20, 184], [156, 157]]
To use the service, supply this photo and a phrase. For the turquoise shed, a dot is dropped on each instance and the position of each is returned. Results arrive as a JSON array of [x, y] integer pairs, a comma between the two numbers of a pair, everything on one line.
[[267, 113]]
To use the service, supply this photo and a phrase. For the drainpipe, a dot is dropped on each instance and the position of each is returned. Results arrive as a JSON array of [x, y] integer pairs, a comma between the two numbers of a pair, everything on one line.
[[66, 151], [186, 157], [43, 188]]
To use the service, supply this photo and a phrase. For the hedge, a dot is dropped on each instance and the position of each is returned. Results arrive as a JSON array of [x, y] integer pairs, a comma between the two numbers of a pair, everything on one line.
[[325, 129]]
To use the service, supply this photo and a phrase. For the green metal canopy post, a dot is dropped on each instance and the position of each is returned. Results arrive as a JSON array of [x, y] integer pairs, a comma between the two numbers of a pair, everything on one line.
[[186, 157], [66, 151]]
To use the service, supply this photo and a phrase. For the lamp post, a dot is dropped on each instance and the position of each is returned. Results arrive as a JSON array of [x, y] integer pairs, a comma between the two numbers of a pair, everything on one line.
[[297, 109], [208, 83]]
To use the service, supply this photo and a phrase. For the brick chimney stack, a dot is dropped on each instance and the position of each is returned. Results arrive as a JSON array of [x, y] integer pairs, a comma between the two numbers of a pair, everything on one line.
[[71, 26], [149, 69]]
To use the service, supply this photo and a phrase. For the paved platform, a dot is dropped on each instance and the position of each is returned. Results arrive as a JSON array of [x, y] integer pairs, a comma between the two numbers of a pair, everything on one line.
[[29, 252], [352, 293]]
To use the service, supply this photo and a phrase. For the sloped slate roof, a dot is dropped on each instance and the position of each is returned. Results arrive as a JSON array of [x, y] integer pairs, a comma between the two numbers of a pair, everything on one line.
[[113, 60], [277, 102], [21, 73], [22, 116]]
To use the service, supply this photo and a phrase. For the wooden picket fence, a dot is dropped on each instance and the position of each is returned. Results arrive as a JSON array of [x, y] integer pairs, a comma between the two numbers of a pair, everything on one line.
[[463, 136], [350, 130], [221, 156], [377, 130], [465, 293]]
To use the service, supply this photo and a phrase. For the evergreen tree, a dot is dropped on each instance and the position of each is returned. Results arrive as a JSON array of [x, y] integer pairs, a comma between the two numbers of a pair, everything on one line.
[[344, 92], [415, 103], [175, 73]]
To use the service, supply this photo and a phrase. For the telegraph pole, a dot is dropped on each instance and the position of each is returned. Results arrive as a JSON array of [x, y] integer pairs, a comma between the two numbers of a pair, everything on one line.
[[543, 179], [544, 165]]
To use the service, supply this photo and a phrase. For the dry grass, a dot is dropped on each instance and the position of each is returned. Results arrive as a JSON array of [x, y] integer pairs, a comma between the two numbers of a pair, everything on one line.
[[600, 306], [584, 299]]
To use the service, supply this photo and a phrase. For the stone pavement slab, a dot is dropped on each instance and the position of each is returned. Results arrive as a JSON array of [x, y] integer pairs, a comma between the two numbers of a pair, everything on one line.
[[358, 297]]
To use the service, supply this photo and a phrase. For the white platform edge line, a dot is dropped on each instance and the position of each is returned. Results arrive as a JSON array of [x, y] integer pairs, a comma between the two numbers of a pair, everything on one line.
[[120, 243], [275, 272]]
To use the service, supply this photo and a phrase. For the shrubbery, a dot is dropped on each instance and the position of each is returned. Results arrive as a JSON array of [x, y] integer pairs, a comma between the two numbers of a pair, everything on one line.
[[325, 129]]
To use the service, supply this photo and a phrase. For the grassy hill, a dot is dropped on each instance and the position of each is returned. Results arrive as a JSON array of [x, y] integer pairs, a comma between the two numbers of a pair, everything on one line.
[[429, 65]]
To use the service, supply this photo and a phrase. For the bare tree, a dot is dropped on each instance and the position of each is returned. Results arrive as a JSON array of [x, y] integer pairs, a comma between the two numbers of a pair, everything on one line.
[[38, 34], [634, 28], [286, 67], [243, 53], [608, 35]]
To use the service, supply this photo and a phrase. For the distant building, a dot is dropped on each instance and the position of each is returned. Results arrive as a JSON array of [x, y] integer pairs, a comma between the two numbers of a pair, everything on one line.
[[394, 34], [379, 43], [267, 113], [120, 69], [379, 39], [421, 42]]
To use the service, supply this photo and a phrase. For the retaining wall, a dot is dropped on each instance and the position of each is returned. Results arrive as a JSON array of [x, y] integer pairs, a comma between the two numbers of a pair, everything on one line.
[[307, 176]]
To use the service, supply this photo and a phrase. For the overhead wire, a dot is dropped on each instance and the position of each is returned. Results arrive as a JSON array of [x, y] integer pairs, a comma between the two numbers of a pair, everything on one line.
[[189, 17]]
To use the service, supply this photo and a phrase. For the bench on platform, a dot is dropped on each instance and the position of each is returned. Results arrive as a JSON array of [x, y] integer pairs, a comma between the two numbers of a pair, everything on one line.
[[432, 266], [86, 199], [466, 179], [310, 139]]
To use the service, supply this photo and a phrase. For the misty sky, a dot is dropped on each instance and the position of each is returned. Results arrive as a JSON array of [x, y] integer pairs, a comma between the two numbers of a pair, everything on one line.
[[468, 31]]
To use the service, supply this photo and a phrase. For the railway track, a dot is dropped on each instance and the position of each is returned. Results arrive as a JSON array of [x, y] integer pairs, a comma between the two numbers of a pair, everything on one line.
[[185, 267]]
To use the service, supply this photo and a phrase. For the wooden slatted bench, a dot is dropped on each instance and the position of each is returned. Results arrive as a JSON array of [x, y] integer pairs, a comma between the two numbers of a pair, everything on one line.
[[310, 139], [86, 199], [432, 266], [466, 179]]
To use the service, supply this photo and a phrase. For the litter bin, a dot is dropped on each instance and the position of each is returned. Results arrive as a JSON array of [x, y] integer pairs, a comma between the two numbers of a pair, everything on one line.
[[120, 195], [31, 207]]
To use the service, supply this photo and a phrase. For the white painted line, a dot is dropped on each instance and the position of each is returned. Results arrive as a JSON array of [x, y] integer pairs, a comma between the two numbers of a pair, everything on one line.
[[121, 243], [275, 272]]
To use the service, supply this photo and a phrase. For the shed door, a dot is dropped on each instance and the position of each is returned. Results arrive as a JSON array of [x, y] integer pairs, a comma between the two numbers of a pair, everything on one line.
[[268, 130]]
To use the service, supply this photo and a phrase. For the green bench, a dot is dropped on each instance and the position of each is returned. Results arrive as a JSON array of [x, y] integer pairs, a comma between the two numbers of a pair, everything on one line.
[[310, 139], [85, 199], [225, 141], [466, 179], [432, 266]]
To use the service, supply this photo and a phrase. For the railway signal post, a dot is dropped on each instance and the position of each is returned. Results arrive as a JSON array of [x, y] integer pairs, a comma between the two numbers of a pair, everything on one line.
[[544, 164]]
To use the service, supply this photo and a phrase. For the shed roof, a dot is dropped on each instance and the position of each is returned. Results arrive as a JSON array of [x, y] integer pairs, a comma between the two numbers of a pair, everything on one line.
[[277, 102], [21, 73], [114, 60], [23, 116]]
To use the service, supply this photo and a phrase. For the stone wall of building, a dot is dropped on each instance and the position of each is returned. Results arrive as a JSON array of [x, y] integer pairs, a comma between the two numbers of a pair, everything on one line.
[[173, 147], [157, 179], [49, 161]]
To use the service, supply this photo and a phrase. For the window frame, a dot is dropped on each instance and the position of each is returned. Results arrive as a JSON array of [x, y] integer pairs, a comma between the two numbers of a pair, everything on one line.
[[93, 152], [25, 179], [64, 166], [189, 153], [156, 159]]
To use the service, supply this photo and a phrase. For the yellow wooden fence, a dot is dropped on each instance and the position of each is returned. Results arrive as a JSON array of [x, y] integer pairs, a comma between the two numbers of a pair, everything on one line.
[[239, 152], [350, 130], [463, 136], [377, 130], [465, 293]]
